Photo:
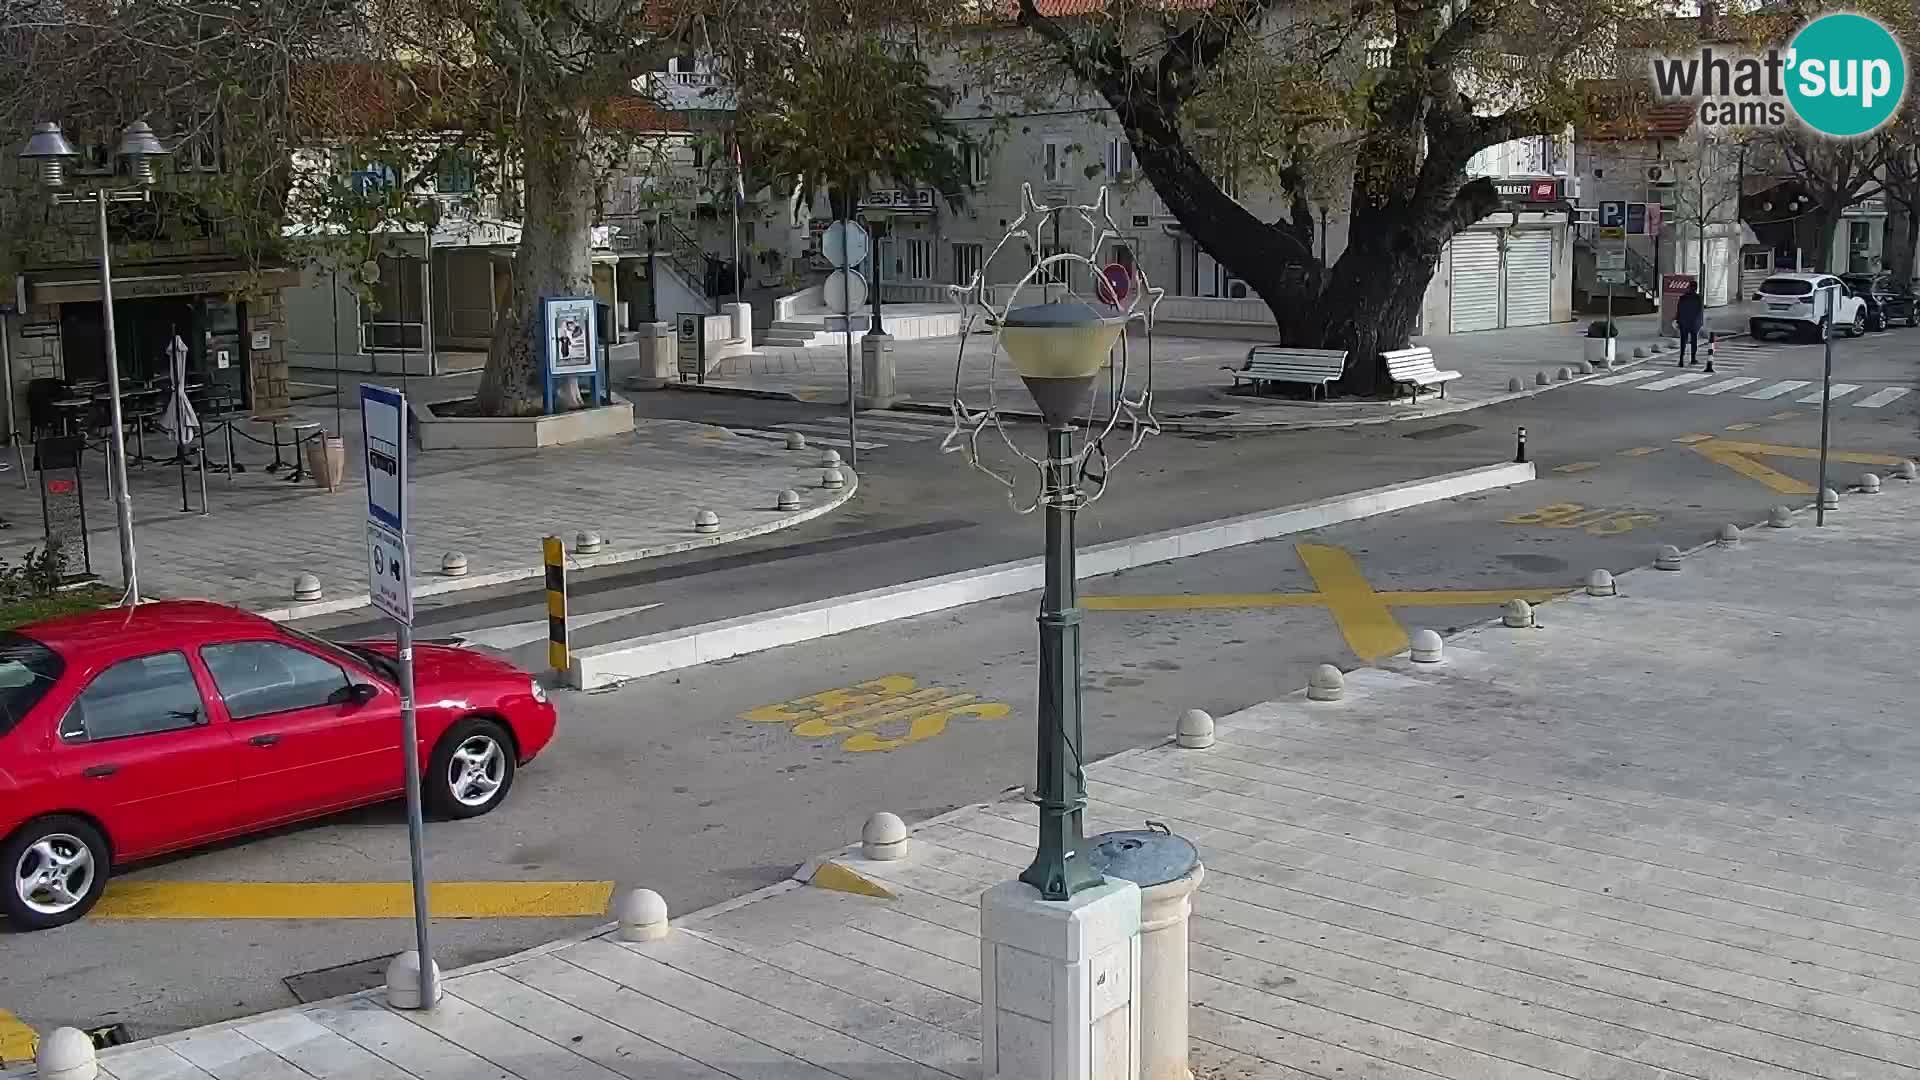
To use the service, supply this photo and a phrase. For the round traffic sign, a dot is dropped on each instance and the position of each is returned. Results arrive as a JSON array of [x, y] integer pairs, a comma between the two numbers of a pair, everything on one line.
[[845, 244], [845, 291], [1116, 283]]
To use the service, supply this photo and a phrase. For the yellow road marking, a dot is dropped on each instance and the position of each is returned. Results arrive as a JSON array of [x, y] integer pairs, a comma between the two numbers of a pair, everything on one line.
[[1577, 466], [1739, 456], [1789, 415], [1641, 451], [840, 879], [17, 1041], [1367, 624], [1696, 437], [350, 899], [1597, 522], [857, 711], [1744, 426]]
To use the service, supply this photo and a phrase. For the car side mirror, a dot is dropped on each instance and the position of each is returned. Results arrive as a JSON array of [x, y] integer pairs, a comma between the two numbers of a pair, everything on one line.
[[355, 694]]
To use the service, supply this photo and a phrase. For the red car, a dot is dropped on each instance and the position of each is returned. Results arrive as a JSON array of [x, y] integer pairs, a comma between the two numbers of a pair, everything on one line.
[[128, 733]]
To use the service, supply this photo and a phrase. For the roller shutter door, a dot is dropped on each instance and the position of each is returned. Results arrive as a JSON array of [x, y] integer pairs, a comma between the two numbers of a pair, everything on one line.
[[1476, 281], [1528, 277]]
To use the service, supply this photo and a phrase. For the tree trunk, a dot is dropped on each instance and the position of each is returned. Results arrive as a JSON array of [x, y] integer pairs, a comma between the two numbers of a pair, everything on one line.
[[1372, 301], [1903, 235], [1828, 223], [554, 259]]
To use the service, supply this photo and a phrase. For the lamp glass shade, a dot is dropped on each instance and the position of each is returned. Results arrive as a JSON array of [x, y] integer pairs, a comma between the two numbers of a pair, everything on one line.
[[47, 141], [1061, 340], [140, 141]]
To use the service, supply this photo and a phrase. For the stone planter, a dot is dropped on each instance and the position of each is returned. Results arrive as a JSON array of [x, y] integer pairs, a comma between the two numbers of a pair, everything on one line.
[[327, 461], [520, 432], [1600, 352]]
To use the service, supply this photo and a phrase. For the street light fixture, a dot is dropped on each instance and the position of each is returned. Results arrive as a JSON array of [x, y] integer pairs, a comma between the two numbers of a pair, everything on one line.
[[1058, 349], [49, 150]]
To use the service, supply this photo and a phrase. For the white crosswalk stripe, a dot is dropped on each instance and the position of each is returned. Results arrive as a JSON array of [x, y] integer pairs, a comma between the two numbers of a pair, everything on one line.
[[877, 429], [1834, 393], [1672, 381], [1884, 397], [1724, 385], [1626, 377], [1786, 386]]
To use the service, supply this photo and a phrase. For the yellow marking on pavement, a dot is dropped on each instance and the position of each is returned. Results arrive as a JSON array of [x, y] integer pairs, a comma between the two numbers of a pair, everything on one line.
[[840, 879], [1641, 451], [1367, 624], [1788, 415], [1743, 426], [350, 899], [17, 1041], [1696, 437], [1576, 467], [858, 711], [1597, 522], [1740, 457]]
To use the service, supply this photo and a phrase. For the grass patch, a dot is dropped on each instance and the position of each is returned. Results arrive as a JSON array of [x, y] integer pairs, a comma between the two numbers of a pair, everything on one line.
[[14, 613]]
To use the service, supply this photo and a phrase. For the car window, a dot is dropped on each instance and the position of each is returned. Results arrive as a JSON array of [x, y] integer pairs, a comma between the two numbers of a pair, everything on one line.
[[142, 696], [1781, 286], [258, 678], [28, 670]]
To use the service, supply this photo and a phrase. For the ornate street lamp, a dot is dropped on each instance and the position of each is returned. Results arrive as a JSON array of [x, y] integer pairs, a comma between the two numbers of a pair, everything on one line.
[[1059, 349], [49, 150]]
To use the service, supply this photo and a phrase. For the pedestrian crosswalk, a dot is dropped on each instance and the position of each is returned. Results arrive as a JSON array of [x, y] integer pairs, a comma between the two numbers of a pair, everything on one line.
[[1699, 382], [876, 428]]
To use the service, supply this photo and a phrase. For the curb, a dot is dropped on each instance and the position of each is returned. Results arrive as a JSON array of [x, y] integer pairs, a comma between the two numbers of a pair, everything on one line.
[[605, 665], [578, 562]]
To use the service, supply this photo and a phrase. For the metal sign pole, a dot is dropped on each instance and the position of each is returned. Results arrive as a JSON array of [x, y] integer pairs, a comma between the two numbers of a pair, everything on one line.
[[13, 421], [853, 424], [1826, 411], [416, 824]]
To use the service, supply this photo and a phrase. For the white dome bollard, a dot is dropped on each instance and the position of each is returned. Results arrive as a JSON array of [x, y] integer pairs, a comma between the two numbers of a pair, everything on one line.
[[1541, 378], [642, 915], [403, 982], [1728, 536], [66, 1054], [1668, 559], [1906, 470], [1600, 583], [831, 479], [1869, 484], [306, 587], [1326, 684], [1585, 367], [1562, 374], [453, 564], [830, 459], [787, 500], [1194, 731], [706, 522], [587, 542], [1829, 499], [1780, 517], [1517, 614], [796, 441], [1639, 352], [884, 838], [1427, 647], [1514, 385]]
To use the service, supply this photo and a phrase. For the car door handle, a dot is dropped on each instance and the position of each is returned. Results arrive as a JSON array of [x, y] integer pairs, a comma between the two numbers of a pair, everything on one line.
[[97, 772], [264, 740]]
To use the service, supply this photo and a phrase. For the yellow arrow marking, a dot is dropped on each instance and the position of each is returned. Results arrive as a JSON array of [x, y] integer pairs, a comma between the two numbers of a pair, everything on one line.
[[350, 899], [1739, 456]]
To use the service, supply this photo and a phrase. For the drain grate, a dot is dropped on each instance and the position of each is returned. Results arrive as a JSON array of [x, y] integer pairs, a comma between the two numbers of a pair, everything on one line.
[[1441, 432], [342, 979]]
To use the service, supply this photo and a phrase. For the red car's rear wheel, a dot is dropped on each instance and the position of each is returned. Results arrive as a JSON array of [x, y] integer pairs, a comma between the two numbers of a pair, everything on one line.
[[56, 868]]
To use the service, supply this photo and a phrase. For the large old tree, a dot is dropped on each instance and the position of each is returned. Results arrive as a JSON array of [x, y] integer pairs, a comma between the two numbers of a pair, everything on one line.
[[1398, 94]]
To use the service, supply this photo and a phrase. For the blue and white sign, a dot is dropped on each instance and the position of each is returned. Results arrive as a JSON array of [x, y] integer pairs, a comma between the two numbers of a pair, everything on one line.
[[1613, 214], [383, 427], [390, 574], [570, 335]]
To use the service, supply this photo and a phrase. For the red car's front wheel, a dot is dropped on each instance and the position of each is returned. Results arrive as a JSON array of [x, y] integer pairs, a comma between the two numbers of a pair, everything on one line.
[[471, 769], [56, 868]]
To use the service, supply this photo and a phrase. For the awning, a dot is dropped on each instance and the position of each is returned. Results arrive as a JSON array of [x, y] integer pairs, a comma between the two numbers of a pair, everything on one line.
[[77, 285]]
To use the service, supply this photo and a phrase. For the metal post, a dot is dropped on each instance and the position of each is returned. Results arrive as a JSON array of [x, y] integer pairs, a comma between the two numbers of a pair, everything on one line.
[[117, 449], [338, 428], [428, 341], [873, 255], [416, 827], [653, 276], [1826, 414], [1060, 867], [737, 298], [13, 421]]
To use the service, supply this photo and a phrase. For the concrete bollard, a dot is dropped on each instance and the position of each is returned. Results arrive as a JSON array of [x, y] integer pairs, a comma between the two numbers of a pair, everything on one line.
[[1780, 517], [1164, 976], [1600, 583], [831, 478], [1518, 614], [1829, 499], [1194, 731], [796, 441], [587, 543], [1906, 470], [1584, 368], [1869, 484], [1668, 559], [306, 587], [1541, 378], [1326, 684], [453, 564], [1514, 385], [884, 838], [66, 1054], [403, 982], [1639, 352], [642, 915], [1656, 348], [706, 522], [1427, 647], [1728, 536], [787, 500], [1562, 374], [830, 459]]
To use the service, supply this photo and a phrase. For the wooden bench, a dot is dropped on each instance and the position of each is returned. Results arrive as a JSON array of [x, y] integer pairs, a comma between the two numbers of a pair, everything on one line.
[[1414, 368], [1272, 363]]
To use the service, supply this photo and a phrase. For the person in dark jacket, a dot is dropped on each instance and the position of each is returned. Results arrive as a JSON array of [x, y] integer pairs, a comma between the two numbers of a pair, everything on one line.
[[1691, 312]]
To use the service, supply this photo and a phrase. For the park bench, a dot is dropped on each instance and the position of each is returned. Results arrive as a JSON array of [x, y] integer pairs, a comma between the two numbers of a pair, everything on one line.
[[1414, 368], [1272, 363]]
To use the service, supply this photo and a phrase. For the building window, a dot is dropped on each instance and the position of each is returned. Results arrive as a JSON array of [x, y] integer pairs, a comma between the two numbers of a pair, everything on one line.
[[1119, 159], [973, 157], [913, 260], [1056, 273], [966, 262], [1053, 160], [197, 149]]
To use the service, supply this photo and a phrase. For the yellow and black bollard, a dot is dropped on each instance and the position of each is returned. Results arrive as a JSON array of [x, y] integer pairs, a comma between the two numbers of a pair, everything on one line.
[[554, 554]]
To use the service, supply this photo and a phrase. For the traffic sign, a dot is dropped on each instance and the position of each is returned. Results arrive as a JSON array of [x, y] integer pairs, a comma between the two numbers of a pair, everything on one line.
[[1613, 214], [1637, 219], [390, 574], [1613, 277], [845, 244], [1610, 260], [383, 428], [1116, 284], [845, 291]]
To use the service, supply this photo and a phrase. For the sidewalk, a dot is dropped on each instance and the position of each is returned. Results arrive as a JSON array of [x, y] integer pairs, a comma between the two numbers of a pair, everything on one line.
[[1558, 854], [640, 492], [1191, 391]]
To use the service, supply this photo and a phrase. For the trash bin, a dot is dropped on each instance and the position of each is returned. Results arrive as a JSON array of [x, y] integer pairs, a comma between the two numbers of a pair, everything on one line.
[[327, 461], [1168, 870]]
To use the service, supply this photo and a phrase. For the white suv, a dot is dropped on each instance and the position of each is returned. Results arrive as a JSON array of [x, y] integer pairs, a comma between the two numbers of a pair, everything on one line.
[[1809, 304]]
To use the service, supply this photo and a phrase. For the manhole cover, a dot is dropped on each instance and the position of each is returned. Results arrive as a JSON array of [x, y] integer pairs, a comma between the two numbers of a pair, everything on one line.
[[1441, 432], [1213, 414], [343, 979]]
